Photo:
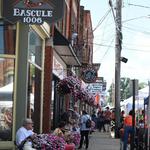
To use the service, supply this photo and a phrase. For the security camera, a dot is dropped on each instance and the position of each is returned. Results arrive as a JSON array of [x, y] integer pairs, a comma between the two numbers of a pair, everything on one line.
[[123, 59]]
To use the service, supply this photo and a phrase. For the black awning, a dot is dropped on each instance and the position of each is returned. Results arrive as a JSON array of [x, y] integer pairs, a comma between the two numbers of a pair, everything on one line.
[[59, 39], [64, 49]]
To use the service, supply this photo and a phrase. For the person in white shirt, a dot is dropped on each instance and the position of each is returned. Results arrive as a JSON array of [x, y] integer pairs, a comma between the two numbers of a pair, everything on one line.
[[84, 131], [24, 133]]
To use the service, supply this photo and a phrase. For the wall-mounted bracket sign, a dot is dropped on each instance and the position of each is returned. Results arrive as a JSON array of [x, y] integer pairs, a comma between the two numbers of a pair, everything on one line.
[[33, 11], [89, 75]]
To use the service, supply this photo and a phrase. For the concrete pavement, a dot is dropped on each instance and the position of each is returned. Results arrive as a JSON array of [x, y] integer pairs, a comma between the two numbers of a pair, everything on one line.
[[103, 141]]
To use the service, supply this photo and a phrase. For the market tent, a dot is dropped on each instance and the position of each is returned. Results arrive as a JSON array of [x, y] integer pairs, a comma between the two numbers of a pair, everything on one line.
[[126, 105], [6, 92], [139, 104], [143, 92]]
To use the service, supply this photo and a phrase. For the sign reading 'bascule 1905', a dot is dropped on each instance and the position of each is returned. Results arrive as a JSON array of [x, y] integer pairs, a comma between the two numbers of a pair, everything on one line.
[[33, 11]]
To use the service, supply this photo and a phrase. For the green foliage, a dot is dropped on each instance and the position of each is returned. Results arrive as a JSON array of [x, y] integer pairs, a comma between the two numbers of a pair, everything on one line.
[[142, 85], [125, 89]]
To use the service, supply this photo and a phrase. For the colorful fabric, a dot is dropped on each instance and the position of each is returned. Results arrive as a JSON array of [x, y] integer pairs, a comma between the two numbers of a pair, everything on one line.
[[128, 120]]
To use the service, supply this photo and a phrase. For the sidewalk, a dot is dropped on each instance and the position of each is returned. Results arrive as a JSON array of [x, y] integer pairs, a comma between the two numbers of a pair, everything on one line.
[[103, 141]]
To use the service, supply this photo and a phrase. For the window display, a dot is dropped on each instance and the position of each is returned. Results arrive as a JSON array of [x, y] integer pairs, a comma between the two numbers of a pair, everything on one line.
[[6, 98]]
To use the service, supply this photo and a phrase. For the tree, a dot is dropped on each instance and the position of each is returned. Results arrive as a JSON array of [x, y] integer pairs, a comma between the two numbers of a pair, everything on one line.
[[142, 85], [125, 89]]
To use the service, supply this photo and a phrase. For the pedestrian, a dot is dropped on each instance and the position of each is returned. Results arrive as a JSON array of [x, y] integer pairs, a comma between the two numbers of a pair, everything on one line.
[[76, 117], [101, 121], [25, 135], [84, 131], [60, 130], [128, 129], [107, 115], [122, 116], [94, 118]]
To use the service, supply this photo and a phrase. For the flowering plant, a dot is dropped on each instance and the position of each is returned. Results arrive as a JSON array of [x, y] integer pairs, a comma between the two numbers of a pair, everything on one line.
[[76, 138], [48, 142], [72, 84], [68, 85]]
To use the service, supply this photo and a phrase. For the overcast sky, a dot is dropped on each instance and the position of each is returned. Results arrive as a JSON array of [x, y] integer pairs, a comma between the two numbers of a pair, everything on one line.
[[136, 38]]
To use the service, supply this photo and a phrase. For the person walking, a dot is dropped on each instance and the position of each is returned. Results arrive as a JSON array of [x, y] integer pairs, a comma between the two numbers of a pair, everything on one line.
[[84, 131], [107, 115], [101, 121], [94, 119], [128, 129]]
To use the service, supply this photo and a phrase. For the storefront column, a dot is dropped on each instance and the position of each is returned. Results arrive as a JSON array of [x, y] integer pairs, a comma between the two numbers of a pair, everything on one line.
[[47, 86], [22, 73]]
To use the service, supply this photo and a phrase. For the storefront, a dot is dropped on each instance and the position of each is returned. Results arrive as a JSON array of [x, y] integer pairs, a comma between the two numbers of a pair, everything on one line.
[[63, 60], [25, 50], [57, 101], [21, 83]]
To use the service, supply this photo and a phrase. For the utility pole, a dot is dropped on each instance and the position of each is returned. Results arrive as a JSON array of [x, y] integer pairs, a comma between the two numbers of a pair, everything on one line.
[[135, 96], [118, 48], [148, 138]]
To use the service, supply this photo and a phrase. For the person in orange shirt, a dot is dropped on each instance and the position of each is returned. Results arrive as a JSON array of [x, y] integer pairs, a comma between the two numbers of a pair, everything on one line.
[[128, 130]]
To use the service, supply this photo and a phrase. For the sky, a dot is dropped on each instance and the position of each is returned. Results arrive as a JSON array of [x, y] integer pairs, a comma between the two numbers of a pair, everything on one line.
[[136, 38]]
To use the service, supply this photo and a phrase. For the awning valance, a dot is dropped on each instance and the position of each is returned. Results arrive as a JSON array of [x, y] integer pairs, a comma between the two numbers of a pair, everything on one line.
[[64, 49]]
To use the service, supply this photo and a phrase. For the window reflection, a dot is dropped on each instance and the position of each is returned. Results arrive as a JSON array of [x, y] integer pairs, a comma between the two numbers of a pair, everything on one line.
[[35, 48], [34, 78], [7, 38], [6, 98]]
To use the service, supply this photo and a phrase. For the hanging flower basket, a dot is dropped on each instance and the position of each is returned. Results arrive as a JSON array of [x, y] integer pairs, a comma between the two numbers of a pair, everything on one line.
[[63, 88], [68, 85], [72, 84]]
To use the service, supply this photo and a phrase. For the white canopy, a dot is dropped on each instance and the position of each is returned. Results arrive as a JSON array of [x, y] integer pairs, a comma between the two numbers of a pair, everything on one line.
[[7, 88], [139, 102], [6, 92]]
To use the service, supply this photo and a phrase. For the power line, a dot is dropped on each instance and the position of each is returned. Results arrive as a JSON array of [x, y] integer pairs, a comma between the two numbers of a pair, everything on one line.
[[102, 19], [137, 50], [124, 46], [138, 5], [136, 30], [107, 50], [134, 19]]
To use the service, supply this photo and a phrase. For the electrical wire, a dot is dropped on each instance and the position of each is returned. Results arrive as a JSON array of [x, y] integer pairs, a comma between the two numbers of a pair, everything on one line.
[[107, 50], [115, 19], [136, 30], [139, 5], [134, 19], [102, 19], [126, 48]]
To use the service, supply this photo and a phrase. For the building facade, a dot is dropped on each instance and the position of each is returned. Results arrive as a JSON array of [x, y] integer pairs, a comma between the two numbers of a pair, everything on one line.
[[33, 59]]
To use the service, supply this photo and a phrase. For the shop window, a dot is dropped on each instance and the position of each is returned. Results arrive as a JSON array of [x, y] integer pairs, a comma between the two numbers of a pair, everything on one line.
[[6, 98], [35, 48], [34, 78], [7, 38]]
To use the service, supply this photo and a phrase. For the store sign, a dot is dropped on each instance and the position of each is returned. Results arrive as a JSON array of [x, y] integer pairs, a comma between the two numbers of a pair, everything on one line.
[[89, 75], [33, 11], [94, 87], [58, 69]]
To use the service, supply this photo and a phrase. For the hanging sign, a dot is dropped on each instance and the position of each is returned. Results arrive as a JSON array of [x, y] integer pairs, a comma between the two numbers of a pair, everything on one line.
[[89, 75], [33, 11]]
